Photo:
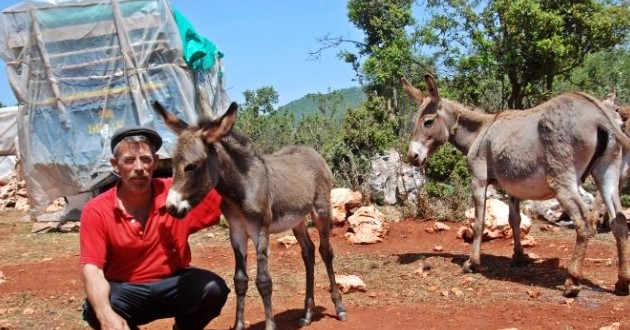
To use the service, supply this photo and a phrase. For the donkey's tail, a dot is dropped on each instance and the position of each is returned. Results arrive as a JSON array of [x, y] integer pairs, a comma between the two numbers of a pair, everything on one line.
[[611, 124]]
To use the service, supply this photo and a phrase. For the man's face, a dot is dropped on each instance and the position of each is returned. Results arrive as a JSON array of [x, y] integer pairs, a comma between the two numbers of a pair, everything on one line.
[[135, 164]]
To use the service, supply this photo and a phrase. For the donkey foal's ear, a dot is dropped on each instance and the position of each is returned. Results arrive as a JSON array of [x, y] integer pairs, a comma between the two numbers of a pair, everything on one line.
[[220, 127], [175, 124]]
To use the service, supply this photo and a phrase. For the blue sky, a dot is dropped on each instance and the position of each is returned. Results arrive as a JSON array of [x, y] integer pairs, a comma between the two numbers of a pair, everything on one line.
[[266, 43]]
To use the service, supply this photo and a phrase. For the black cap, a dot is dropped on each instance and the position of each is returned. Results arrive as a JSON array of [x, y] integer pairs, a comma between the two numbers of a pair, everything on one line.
[[123, 132]]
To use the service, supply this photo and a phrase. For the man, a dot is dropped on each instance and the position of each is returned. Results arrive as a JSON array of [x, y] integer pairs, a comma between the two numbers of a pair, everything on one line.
[[135, 255]]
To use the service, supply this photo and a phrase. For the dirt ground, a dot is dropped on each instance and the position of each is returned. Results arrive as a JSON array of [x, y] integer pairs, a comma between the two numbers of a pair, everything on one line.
[[41, 284]]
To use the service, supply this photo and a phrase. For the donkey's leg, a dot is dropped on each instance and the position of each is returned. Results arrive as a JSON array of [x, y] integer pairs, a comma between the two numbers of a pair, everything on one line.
[[479, 187], [238, 238], [573, 204], [263, 278], [620, 231], [514, 217], [322, 219], [605, 224], [606, 176], [308, 255]]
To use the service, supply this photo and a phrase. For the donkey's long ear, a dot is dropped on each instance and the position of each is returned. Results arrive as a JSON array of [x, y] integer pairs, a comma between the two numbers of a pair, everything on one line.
[[413, 92], [175, 124], [216, 129], [432, 87], [612, 95]]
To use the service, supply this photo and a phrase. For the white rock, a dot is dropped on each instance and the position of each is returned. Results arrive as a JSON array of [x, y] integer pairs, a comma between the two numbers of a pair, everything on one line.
[[496, 221], [367, 226], [287, 241], [350, 283], [343, 201]]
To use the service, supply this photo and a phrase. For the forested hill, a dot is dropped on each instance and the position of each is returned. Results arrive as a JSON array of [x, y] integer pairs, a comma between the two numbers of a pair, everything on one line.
[[340, 100]]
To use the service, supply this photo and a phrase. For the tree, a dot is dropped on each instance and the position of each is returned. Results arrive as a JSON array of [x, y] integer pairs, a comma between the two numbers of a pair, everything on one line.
[[267, 128], [524, 42], [381, 58], [600, 74], [261, 101], [365, 131]]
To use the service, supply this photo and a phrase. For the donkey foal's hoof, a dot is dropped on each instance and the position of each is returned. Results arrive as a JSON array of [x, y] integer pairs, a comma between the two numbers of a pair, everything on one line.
[[343, 316], [621, 288], [521, 260], [571, 290], [304, 322]]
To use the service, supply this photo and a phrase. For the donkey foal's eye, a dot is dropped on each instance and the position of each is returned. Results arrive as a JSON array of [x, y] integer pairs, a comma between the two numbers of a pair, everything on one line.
[[428, 123], [190, 167]]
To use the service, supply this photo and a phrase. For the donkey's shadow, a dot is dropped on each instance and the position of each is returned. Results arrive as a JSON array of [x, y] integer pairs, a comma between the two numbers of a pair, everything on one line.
[[544, 273]]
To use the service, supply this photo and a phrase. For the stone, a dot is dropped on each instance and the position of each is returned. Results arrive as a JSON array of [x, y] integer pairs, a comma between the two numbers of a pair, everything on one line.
[[344, 201], [350, 283], [367, 226], [496, 222]]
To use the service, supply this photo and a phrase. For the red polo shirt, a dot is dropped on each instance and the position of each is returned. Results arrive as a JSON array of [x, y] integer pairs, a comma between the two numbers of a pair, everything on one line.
[[113, 241]]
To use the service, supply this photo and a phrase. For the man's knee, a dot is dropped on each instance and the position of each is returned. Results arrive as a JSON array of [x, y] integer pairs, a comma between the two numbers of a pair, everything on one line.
[[216, 294]]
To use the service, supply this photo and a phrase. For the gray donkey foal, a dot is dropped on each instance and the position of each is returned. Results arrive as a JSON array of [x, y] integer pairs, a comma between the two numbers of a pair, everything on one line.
[[261, 194]]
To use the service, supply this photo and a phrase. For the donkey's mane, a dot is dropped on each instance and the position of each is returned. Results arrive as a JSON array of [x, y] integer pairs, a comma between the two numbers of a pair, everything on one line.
[[240, 149], [240, 138], [467, 112]]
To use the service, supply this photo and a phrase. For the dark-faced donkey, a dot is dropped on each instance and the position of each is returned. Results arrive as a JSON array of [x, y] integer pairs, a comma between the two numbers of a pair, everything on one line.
[[535, 154], [261, 194]]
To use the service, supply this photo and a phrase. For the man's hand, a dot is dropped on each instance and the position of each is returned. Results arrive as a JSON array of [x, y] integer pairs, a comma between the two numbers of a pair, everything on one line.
[[97, 291], [112, 321]]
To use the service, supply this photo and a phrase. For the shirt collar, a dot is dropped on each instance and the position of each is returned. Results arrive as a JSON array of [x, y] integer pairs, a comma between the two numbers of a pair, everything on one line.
[[160, 190]]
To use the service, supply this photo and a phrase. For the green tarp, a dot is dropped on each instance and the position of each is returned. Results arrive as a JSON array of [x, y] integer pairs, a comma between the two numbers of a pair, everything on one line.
[[199, 52]]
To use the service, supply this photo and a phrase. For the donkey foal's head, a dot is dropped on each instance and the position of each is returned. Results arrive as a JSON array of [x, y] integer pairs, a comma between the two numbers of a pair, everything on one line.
[[194, 157]]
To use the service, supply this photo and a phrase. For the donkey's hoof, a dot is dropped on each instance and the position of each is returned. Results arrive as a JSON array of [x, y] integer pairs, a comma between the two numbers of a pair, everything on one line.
[[304, 322], [343, 316], [238, 326], [571, 289], [621, 288], [520, 260], [470, 267]]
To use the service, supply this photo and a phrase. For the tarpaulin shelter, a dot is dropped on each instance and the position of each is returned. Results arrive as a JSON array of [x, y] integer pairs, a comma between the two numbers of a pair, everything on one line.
[[8, 141], [82, 68]]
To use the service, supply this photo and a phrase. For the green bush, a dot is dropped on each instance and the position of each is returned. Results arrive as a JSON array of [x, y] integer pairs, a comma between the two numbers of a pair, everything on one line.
[[447, 164], [447, 190]]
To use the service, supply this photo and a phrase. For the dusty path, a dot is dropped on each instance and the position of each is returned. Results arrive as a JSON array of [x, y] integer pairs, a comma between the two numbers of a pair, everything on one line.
[[42, 286]]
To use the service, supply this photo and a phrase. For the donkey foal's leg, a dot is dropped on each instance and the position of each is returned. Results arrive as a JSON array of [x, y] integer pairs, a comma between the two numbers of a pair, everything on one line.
[[308, 256], [322, 223], [263, 279], [240, 281]]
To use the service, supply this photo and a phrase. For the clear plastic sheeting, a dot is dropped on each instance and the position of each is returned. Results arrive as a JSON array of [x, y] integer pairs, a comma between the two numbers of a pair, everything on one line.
[[8, 131], [81, 69]]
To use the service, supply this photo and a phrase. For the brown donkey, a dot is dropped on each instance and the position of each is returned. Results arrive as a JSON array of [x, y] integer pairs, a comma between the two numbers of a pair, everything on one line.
[[535, 154], [262, 194]]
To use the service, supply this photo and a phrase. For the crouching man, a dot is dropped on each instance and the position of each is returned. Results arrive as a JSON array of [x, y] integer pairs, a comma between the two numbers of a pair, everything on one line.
[[135, 256]]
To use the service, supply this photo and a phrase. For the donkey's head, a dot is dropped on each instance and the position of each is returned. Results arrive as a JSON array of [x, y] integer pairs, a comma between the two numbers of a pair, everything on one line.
[[430, 129], [195, 164]]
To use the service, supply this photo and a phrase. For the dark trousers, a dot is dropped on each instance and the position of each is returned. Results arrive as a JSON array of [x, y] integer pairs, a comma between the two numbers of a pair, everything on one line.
[[192, 296]]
